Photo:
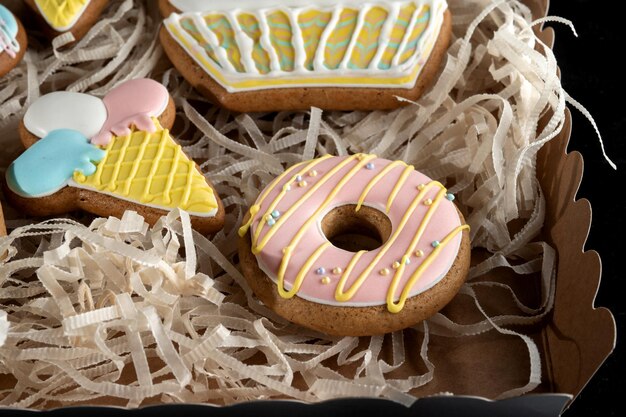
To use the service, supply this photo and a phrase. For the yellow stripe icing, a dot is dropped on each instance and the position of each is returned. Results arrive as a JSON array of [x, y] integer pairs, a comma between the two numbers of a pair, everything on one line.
[[250, 25], [340, 294], [296, 239], [258, 246], [256, 207], [220, 25], [397, 34], [312, 24], [249, 84], [151, 168], [368, 39], [61, 14], [303, 271], [347, 169], [396, 188], [339, 40], [394, 307], [190, 27], [422, 23], [280, 36]]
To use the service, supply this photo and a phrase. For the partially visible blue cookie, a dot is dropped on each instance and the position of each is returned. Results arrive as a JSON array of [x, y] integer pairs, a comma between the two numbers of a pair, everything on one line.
[[13, 41]]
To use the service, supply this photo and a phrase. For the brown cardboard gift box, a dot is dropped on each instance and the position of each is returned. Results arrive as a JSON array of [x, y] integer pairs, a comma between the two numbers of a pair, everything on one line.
[[574, 339]]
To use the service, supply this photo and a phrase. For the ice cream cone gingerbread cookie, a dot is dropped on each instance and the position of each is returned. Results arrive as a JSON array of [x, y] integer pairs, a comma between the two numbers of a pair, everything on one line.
[[264, 55], [107, 156], [60, 16]]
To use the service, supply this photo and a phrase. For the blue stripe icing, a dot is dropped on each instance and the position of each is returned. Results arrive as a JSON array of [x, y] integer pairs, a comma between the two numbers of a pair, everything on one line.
[[9, 21], [50, 163]]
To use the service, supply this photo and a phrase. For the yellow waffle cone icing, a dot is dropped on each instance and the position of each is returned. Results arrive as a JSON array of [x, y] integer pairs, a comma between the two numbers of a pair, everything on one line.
[[151, 169], [61, 15]]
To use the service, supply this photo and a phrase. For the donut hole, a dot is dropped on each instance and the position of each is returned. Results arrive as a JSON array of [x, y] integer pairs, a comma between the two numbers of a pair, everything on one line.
[[353, 231]]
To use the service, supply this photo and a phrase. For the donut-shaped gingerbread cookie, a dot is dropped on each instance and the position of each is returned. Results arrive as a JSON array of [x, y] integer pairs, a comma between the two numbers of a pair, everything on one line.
[[355, 245]]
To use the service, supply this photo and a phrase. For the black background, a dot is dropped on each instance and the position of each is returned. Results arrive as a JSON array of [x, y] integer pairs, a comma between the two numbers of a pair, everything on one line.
[[593, 75]]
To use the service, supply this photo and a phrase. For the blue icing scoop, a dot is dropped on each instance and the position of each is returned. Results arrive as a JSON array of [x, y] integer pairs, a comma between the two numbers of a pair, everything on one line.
[[50, 163]]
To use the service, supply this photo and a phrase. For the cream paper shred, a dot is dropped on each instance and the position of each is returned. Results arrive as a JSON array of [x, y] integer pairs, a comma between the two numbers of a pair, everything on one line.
[[111, 308]]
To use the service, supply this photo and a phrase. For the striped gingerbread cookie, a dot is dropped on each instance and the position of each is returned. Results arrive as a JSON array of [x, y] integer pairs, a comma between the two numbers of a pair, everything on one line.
[[261, 55]]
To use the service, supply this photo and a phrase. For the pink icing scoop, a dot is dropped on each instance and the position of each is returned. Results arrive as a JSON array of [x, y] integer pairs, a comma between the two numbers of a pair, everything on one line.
[[133, 103]]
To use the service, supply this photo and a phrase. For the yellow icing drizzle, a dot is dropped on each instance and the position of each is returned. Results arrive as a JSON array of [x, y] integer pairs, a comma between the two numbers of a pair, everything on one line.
[[394, 307], [61, 14], [258, 246], [375, 180], [394, 192], [254, 209], [296, 239], [151, 168], [280, 36], [342, 294], [303, 271]]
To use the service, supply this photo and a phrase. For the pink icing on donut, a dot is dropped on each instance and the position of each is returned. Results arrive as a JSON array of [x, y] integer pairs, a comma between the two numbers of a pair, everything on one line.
[[134, 102], [315, 287]]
